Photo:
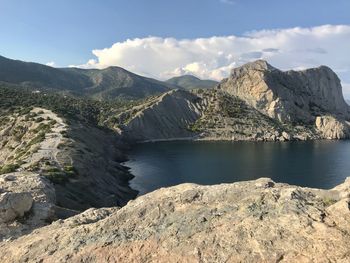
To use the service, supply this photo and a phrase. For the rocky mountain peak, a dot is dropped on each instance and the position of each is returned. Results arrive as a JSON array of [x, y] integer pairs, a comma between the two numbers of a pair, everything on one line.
[[288, 95], [258, 65]]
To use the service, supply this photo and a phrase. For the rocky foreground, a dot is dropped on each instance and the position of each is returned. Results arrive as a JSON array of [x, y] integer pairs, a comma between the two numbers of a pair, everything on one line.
[[255, 221]]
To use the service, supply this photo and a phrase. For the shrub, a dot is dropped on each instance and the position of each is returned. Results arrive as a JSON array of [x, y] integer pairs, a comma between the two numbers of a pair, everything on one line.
[[9, 168], [39, 119]]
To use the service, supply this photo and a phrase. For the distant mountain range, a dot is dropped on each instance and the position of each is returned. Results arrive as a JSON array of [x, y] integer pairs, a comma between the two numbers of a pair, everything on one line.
[[189, 82], [109, 83]]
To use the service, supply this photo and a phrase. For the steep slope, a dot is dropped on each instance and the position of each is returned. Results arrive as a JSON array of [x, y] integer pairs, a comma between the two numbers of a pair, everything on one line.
[[189, 82], [109, 83], [167, 116], [81, 160], [297, 96], [254, 221]]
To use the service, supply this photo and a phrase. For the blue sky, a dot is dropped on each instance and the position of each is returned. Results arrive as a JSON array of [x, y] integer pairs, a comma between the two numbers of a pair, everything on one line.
[[162, 39], [66, 31]]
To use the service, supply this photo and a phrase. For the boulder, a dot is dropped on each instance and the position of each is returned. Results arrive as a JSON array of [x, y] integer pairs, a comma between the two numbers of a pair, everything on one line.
[[332, 128], [27, 201], [14, 205], [286, 136]]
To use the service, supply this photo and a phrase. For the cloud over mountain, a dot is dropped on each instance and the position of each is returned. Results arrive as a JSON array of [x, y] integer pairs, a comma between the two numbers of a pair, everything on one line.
[[293, 48]]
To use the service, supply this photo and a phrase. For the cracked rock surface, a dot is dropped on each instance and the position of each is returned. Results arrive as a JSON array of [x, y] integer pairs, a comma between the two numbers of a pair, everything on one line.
[[254, 221]]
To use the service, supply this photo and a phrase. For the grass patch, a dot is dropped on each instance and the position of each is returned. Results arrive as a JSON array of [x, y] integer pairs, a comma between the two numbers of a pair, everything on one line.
[[328, 201], [57, 176]]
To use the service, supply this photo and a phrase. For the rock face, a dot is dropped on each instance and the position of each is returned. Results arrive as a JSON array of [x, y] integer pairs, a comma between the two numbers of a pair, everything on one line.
[[331, 128], [288, 96], [255, 221], [27, 201], [165, 117]]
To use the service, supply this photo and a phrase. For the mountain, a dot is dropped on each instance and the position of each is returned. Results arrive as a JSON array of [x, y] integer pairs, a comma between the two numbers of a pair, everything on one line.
[[40, 76], [256, 102], [288, 95], [189, 82], [109, 83]]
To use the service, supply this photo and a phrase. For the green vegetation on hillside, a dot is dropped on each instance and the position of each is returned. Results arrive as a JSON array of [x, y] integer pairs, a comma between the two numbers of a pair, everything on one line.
[[104, 84], [190, 82], [17, 99]]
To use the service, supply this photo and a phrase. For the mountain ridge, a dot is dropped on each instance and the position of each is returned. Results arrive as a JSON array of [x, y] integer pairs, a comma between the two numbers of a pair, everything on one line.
[[189, 82], [110, 83]]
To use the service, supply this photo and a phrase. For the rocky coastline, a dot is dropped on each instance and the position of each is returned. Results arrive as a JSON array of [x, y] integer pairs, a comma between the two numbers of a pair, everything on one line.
[[53, 169]]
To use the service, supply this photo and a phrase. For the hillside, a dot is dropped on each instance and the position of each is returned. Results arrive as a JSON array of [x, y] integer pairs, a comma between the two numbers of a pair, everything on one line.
[[56, 160], [257, 102], [109, 83], [189, 82]]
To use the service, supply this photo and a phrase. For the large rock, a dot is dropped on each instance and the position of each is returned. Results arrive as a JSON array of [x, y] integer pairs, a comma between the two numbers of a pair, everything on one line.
[[290, 95], [331, 128], [27, 201], [14, 205], [256, 221]]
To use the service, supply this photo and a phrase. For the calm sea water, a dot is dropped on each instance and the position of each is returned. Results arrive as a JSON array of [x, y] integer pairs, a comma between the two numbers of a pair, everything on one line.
[[322, 164]]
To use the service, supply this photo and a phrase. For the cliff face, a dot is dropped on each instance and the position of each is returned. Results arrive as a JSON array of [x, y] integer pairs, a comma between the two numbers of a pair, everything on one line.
[[296, 96], [255, 221]]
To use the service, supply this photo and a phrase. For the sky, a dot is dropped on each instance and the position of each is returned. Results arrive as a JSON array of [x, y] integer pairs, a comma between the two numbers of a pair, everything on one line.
[[163, 38]]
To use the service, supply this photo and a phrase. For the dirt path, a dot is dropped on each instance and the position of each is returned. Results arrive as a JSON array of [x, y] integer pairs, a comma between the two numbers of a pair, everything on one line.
[[49, 147]]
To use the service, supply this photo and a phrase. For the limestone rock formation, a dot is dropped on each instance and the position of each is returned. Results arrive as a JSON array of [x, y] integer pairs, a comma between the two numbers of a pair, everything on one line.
[[288, 96], [27, 201], [331, 128], [226, 117], [14, 205], [255, 221]]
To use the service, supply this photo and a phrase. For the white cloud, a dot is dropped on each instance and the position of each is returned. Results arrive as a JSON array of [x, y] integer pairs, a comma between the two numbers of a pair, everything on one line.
[[293, 48], [346, 90], [51, 64]]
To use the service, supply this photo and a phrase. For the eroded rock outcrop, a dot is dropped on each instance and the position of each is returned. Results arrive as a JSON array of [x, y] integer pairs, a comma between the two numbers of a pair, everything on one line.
[[288, 96], [27, 201], [255, 221]]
